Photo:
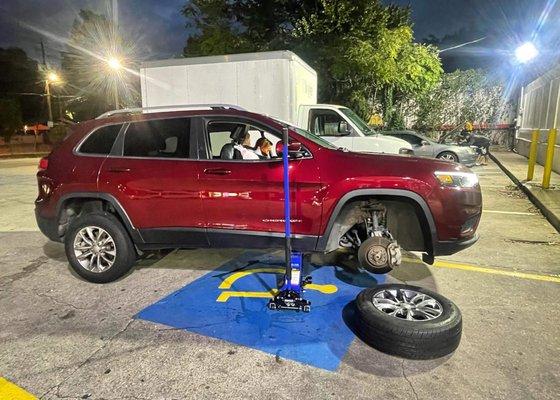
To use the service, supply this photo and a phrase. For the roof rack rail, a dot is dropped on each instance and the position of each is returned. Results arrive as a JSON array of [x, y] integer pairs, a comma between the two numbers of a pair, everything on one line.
[[179, 107]]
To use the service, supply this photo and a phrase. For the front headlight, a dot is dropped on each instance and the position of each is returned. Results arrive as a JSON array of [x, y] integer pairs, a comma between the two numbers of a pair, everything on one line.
[[404, 150], [456, 179]]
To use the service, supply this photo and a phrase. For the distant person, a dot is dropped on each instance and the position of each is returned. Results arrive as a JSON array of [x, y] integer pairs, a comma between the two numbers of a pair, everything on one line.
[[482, 144], [263, 148]]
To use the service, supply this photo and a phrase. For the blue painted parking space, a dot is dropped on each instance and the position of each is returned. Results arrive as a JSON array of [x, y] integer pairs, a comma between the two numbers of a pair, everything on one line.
[[230, 303]]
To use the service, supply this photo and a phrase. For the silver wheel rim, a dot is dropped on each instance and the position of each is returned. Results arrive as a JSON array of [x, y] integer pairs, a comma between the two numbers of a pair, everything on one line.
[[448, 157], [407, 304], [95, 249]]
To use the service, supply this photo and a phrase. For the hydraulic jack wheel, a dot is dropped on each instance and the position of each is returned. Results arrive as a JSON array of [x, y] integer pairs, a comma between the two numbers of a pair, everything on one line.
[[290, 294]]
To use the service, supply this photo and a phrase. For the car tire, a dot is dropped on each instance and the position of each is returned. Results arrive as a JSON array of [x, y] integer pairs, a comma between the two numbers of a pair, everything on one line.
[[448, 156], [413, 339], [105, 263]]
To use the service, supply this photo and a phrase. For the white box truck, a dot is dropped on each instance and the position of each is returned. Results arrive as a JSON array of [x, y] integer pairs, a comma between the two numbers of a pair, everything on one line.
[[276, 83]]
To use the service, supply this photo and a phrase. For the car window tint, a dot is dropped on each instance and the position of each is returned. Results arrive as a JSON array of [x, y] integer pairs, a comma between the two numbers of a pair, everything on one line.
[[101, 140], [164, 138]]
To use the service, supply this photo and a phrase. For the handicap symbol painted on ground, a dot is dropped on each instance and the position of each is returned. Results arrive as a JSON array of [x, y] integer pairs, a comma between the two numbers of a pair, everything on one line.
[[230, 303], [267, 294]]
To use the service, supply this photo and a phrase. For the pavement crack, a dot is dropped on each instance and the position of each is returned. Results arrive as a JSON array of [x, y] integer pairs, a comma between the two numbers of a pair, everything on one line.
[[57, 301], [56, 387], [408, 380]]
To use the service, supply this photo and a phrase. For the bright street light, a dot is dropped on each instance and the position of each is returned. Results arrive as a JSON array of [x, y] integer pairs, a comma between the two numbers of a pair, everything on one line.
[[114, 63], [526, 52], [53, 77]]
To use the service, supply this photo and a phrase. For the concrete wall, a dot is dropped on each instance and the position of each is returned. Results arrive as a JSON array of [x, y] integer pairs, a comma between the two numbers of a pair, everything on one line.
[[539, 108]]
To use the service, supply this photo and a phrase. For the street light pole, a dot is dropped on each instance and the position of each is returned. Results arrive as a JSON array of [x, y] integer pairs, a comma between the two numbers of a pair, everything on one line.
[[48, 90], [116, 95]]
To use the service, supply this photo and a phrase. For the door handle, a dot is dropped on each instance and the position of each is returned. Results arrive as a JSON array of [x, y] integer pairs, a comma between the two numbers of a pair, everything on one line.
[[217, 171], [119, 169]]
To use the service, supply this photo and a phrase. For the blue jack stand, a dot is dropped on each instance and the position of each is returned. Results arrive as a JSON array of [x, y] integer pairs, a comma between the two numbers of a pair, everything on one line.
[[290, 294]]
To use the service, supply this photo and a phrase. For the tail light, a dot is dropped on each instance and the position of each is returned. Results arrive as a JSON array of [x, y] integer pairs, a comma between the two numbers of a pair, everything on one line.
[[43, 163]]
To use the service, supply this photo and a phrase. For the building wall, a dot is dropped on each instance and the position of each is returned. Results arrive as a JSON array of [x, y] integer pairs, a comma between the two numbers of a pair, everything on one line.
[[539, 109]]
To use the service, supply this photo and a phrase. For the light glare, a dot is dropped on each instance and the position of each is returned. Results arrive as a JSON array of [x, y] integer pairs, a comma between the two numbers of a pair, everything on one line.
[[114, 63], [526, 52], [53, 77]]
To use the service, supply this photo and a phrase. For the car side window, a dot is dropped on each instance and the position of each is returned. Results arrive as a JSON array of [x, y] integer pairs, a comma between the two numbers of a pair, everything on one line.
[[101, 140], [328, 123], [163, 138], [412, 139], [226, 141]]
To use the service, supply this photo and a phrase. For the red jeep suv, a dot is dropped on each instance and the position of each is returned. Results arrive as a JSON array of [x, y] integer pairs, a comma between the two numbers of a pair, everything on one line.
[[133, 181]]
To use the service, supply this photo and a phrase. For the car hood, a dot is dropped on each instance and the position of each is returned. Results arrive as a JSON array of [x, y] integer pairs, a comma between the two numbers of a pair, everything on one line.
[[394, 165]]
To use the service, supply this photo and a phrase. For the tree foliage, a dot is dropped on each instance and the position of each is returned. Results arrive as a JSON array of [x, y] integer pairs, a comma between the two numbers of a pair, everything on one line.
[[10, 118], [362, 50], [19, 78], [460, 96]]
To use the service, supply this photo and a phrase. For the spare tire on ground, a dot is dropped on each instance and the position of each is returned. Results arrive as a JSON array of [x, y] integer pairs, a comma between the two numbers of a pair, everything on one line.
[[408, 321]]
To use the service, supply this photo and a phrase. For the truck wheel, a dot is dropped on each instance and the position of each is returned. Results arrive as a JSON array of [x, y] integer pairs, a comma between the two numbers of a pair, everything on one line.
[[98, 247], [408, 321], [379, 255]]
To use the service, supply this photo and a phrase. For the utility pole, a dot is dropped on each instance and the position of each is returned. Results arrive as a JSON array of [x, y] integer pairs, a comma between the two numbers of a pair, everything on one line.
[[48, 90], [43, 54]]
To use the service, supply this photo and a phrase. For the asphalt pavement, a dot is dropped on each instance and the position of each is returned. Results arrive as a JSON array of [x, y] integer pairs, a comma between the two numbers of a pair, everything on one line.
[[64, 338]]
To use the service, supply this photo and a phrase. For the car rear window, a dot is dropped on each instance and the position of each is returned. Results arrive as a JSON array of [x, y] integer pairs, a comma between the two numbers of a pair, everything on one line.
[[101, 140]]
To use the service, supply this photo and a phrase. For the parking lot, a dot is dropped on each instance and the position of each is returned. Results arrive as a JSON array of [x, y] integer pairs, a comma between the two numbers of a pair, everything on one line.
[[62, 337]]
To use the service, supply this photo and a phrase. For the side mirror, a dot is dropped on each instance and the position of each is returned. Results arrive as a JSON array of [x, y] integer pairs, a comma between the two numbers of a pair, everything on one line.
[[295, 149], [343, 128], [424, 143]]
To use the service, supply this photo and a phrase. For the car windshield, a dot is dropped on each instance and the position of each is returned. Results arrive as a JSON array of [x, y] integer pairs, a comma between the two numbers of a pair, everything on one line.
[[358, 121]]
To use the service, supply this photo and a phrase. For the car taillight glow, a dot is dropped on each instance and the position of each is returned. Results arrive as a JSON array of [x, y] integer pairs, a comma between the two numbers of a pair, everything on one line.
[[43, 163]]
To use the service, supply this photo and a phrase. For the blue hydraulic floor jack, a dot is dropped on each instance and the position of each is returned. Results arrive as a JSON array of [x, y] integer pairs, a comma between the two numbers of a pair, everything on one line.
[[290, 294]]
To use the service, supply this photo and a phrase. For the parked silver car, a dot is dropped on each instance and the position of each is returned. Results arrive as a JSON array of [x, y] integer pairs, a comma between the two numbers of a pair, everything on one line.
[[426, 147]]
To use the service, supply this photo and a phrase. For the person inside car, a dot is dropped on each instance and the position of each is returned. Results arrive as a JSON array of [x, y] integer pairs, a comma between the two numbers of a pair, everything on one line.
[[243, 146], [263, 148]]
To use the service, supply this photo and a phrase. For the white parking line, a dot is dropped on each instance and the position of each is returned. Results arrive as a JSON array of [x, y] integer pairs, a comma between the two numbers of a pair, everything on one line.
[[507, 212]]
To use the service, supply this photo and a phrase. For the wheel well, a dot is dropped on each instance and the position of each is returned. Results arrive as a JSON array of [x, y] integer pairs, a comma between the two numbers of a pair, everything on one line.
[[406, 221], [73, 207]]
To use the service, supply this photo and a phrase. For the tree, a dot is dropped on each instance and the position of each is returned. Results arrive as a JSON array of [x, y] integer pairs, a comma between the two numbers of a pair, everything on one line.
[[93, 40], [362, 50], [460, 96], [19, 79], [10, 118]]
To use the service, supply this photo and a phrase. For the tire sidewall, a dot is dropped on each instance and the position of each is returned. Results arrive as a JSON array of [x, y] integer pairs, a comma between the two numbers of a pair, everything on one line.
[[125, 254]]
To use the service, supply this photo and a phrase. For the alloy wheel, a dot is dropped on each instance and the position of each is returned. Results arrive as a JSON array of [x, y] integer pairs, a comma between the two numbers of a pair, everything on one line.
[[95, 249], [407, 304]]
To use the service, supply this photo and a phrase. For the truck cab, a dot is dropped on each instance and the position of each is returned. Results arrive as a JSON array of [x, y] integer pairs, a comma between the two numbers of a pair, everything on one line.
[[342, 127]]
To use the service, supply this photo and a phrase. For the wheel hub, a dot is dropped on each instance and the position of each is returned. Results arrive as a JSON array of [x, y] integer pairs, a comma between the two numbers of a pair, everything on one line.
[[377, 256]]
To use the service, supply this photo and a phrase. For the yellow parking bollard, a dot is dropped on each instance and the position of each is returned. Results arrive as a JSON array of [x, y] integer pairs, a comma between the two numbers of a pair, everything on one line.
[[533, 154], [549, 158]]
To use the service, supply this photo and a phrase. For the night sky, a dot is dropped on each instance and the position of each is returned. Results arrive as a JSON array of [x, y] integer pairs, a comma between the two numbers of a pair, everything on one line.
[[158, 27]]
